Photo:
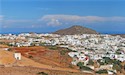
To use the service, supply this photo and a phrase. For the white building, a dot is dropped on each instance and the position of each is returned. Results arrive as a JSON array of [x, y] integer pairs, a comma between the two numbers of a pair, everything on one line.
[[17, 56]]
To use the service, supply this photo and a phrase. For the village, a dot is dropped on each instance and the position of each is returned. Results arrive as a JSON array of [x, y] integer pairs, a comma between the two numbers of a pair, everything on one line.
[[107, 51]]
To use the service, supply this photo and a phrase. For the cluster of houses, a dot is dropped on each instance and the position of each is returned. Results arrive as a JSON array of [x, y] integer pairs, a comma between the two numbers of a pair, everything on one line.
[[84, 47]]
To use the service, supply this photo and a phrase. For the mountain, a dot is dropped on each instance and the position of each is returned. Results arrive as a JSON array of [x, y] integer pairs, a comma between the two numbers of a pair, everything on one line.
[[122, 35], [75, 30]]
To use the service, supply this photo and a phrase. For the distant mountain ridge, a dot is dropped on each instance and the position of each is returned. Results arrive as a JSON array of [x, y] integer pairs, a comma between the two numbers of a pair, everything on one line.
[[122, 35], [76, 29]]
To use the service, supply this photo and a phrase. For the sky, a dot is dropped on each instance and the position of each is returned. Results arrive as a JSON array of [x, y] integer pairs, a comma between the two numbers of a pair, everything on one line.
[[104, 16]]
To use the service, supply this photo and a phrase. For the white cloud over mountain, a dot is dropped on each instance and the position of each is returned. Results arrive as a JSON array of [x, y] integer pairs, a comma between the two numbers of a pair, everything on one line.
[[57, 20], [54, 22]]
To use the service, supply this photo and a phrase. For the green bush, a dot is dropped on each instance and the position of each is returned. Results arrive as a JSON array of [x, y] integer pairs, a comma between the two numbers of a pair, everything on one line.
[[42, 73], [53, 47], [82, 67], [102, 72], [63, 52], [117, 62], [90, 62], [9, 49], [101, 63], [32, 44], [10, 44], [42, 44], [107, 60], [80, 64], [118, 52], [86, 68], [117, 67]]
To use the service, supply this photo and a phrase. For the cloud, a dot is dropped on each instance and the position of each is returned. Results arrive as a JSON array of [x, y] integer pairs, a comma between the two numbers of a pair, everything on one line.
[[61, 20], [15, 23], [8, 22], [118, 19], [56, 20], [1, 17]]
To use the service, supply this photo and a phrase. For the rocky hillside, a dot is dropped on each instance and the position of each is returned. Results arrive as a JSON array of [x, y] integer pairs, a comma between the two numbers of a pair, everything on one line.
[[75, 30], [122, 35]]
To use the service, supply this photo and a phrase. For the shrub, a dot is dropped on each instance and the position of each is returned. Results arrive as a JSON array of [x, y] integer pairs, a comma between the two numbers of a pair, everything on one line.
[[42, 44], [79, 64], [101, 63], [9, 49], [86, 68], [117, 67], [70, 66], [117, 62], [102, 72], [69, 49], [42, 73], [10, 44], [90, 62], [82, 67], [30, 56], [32, 44], [107, 60], [53, 47], [63, 52], [118, 52]]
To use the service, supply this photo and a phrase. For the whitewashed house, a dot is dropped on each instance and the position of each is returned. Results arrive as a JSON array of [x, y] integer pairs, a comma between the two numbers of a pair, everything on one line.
[[17, 56]]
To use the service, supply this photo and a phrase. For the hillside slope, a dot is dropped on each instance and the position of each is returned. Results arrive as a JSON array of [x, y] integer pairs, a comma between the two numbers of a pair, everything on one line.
[[75, 30], [7, 59]]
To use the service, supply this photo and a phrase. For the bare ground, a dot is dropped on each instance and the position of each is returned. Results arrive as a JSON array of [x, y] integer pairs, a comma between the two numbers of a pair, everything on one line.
[[34, 71]]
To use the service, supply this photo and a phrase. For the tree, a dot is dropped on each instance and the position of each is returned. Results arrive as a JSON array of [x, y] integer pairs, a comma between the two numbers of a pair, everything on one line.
[[80, 64]]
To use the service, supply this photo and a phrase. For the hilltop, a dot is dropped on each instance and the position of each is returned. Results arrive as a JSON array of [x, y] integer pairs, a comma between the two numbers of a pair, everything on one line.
[[76, 29]]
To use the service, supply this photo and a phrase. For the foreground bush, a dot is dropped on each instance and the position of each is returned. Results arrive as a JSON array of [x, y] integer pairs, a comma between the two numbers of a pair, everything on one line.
[[102, 72], [42, 73]]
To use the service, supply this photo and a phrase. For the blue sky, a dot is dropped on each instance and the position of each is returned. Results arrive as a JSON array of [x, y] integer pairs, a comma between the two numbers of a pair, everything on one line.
[[105, 16]]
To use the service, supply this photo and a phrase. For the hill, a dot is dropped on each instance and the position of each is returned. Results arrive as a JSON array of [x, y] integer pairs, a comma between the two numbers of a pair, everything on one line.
[[7, 59], [122, 35], [30, 66], [75, 30]]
